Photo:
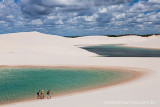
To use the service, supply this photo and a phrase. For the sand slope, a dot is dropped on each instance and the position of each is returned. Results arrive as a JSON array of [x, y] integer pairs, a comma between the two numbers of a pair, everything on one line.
[[25, 48], [40, 49], [152, 42], [37, 43]]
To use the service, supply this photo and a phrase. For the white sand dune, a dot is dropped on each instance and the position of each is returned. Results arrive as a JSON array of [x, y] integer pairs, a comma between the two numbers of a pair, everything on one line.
[[40, 49], [152, 42], [93, 40], [37, 43]]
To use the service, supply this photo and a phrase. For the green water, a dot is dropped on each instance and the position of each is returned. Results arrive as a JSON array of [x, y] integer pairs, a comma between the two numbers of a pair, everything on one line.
[[24, 82], [121, 51]]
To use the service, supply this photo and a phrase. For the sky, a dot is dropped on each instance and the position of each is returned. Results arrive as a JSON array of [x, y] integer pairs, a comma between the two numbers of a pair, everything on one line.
[[80, 17]]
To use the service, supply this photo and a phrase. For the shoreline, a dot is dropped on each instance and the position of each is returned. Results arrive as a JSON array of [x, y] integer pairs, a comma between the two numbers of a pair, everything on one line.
[[138, 72]]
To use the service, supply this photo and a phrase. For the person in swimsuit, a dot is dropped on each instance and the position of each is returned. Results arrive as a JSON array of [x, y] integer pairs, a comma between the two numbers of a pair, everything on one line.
[[38, 94], [48, 94]]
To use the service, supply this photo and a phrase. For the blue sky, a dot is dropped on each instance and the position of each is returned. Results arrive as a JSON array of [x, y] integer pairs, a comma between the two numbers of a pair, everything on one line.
[[80, 17]]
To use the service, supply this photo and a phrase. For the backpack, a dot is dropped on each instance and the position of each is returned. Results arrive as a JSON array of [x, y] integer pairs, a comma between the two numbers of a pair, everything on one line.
[[38, 93], [47, 92]]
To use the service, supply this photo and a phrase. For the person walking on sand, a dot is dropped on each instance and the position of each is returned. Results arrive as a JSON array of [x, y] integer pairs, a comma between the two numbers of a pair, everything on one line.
[[48, 94], [38, 94], [42, 94]]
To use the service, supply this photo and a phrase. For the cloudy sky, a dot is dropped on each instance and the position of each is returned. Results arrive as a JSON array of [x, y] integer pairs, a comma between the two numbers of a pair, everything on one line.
[[80, 17]]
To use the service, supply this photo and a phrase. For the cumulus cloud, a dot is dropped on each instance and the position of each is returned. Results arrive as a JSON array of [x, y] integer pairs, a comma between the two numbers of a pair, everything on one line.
[[80, 17], [7, 10], [37, 8], [154, 1]]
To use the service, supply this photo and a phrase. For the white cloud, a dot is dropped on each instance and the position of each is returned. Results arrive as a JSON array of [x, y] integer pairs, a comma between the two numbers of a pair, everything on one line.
[[51, 17], [103, 10], [2, 22], [154, 1], [10, 16], [143, 6], [140, 26], [59, 22], [119, 15], [90, 18], [139, 20], [37, 22]]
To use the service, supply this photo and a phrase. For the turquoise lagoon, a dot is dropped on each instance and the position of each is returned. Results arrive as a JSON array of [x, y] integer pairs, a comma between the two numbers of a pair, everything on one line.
[[122, 51], [22, 83]]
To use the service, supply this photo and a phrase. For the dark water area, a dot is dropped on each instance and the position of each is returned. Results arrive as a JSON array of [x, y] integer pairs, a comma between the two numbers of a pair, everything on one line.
[[121, 51]]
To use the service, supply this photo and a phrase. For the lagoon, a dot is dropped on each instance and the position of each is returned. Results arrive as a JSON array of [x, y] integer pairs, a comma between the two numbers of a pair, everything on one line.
[[22, 83], [113, 50]]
